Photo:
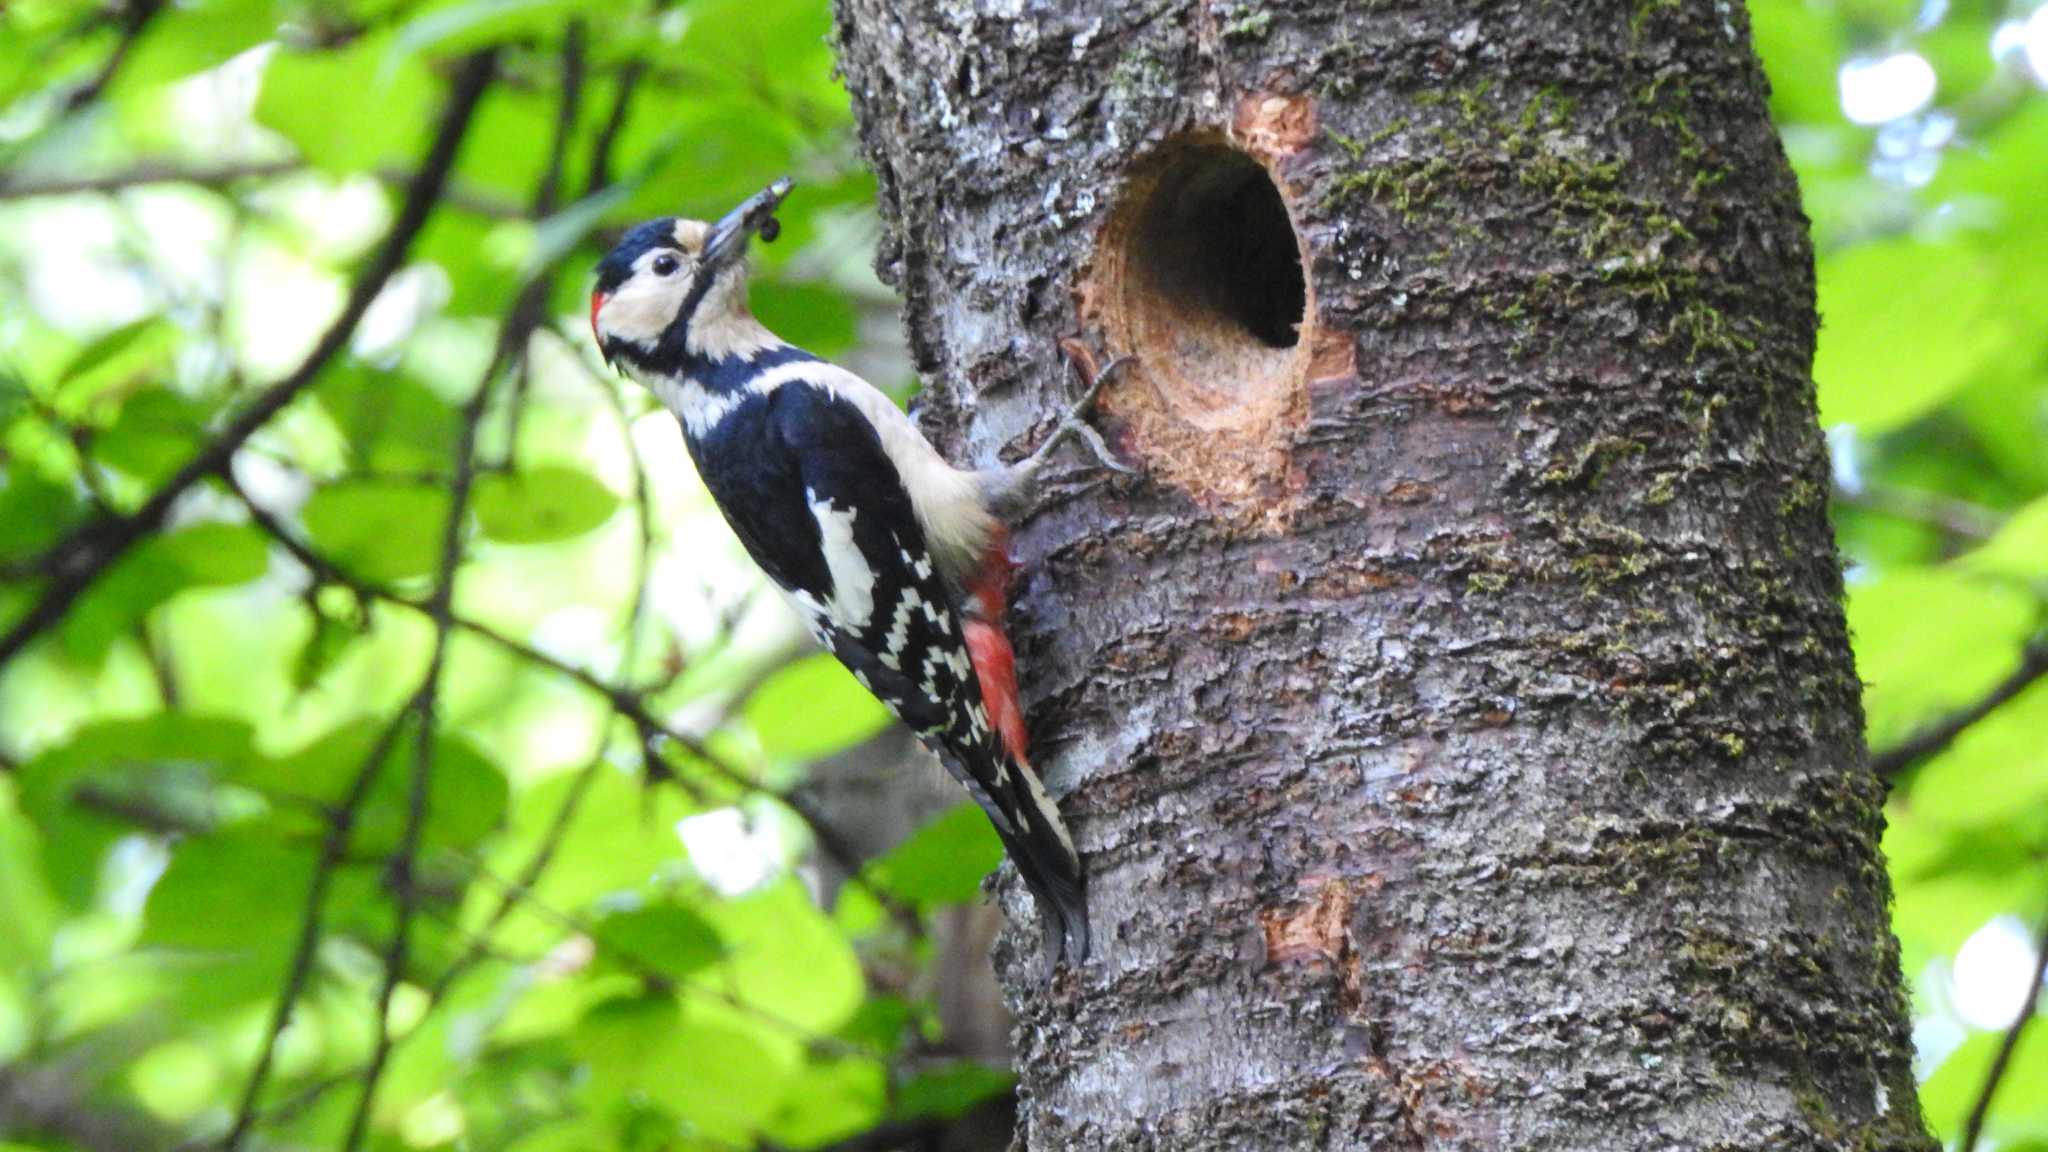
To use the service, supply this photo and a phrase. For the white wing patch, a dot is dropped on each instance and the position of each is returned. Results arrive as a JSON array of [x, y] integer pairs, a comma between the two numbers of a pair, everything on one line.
[[852, 602], [948, 502]]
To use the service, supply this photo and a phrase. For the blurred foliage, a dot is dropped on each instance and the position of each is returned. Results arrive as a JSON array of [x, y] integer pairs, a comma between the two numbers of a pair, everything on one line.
[[608, 942], [1931, 230]]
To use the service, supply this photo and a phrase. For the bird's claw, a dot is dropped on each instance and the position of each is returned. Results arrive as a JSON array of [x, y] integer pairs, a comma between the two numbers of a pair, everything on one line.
[[1074, 422]]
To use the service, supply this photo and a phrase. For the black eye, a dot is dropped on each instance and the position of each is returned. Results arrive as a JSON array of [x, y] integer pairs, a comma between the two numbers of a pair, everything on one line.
[[665, 265]]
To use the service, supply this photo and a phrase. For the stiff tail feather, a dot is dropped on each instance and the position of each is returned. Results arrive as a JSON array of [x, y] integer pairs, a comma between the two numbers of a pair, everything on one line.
[[1058, 886]]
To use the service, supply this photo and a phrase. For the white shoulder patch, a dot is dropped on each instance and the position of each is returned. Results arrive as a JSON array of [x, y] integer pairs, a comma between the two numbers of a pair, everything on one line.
[[853, 579], [957, 525]]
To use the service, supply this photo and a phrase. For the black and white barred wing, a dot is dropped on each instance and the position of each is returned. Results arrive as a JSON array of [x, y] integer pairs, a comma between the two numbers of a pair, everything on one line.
[[879, 604], [884, 611]]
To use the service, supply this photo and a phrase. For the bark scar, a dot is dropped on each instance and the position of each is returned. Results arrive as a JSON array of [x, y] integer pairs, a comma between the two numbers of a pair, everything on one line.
[[1315, 931], [1273, 127]]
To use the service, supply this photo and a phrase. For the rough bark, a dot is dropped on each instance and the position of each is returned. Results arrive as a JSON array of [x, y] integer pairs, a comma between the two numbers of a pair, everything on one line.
[[1458, 717]]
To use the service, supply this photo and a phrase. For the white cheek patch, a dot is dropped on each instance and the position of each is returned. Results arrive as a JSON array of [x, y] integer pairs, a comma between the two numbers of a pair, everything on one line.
[[643, 308]]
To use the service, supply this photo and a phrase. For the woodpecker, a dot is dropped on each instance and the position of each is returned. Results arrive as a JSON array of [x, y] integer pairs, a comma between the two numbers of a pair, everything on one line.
[[896, 560]]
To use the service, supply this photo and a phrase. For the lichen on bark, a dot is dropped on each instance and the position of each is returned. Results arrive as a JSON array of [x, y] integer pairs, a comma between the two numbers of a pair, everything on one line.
[[1458, 718]]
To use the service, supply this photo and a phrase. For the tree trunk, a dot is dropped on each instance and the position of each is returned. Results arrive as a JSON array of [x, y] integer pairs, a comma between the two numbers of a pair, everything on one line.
[[1458, 717]]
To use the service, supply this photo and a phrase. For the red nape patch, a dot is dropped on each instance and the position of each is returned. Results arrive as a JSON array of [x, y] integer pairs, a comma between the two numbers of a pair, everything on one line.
[[597, 300], [995, 662]]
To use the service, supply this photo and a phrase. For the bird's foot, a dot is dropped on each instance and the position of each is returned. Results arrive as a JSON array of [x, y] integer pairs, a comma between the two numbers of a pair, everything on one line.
[[1073, 423], [1009, 488]]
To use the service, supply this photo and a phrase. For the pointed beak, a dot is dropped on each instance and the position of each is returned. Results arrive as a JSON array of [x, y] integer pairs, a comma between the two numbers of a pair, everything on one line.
[[597, 300], [728, 239]]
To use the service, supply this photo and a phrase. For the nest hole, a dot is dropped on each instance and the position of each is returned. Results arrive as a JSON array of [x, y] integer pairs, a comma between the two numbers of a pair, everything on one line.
[[1200, 276]]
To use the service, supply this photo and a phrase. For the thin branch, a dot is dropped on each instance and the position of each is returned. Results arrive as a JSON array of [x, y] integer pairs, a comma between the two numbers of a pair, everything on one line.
[[334, 846], [1982, 1108], [1958, 518], [640, 967], [87, 553], [548, 195], [643, 518], [625, 702], [1893, 762], [221, 176], [144, 174], [514, 335], [426, 704], [600, 176], [134, 21]]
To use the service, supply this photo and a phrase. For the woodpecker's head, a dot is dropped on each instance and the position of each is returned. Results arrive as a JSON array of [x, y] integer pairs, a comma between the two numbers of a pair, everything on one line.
[[676, 289]]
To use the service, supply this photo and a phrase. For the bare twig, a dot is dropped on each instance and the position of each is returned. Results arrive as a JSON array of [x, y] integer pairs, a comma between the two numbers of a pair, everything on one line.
[[624, 701], [514, 334], [1893, 762], [84, 555], [144, 174], [600, 175], [1958, 518], [333, 847], [1974, 1127], [220, 176], [134, 20], [426, 704]]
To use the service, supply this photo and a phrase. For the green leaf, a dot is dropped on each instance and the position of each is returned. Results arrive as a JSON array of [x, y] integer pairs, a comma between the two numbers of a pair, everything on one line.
[[668, 939], [167, 762], [467, 794], [1791, 38], [1997, 767], [379, 530], [542, 505], [135, 348], [393, 422], [344, 108], [810, 316], [829, 1100], [724, 1079], [2021, 1108], [465, 25], [943, 862], [622, 840], [29, 912], [206, 555], [16, 401], [1905, 324], [786, 958], [155, 434], [952, 1090], [35, 512], [813, 708], [1917, 619], [228, 911], [325, 643], [192, 37], [2020, 548]]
